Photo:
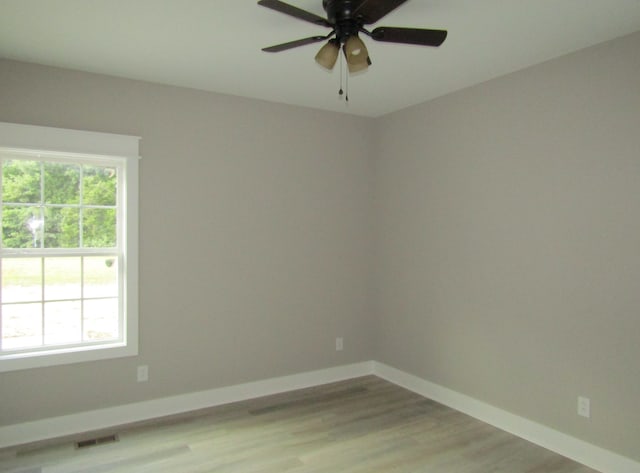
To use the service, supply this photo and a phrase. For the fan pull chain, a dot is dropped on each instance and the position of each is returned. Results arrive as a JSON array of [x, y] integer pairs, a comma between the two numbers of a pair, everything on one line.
[[341, 92], [344, 74], [346, 97]]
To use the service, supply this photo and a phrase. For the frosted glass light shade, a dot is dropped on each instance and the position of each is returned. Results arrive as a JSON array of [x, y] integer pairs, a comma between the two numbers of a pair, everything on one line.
[[356, 53], [328, 55]]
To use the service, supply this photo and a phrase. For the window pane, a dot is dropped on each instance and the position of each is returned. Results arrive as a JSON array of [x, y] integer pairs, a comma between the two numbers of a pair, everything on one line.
[[99, 185], [61, 183], [61, 322], [21, 325], [21, 181], [62, 278], [101, 319], [61, 227], [101, 276], [21, 279], [21, 227], [99, 228]]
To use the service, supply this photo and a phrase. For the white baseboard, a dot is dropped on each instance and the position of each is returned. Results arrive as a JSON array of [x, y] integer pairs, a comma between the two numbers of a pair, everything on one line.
[[590, 455], [578, 450], [29, 432]]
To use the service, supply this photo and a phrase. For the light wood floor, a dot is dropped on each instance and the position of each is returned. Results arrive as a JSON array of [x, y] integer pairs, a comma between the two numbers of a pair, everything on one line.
[[356, 426]]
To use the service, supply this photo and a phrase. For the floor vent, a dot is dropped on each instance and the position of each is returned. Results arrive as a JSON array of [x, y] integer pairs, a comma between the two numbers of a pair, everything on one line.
[[96, 441]]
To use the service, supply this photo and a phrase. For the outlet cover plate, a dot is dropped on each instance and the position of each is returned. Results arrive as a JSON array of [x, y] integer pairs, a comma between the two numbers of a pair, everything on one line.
[[584, 406], [143, 373]]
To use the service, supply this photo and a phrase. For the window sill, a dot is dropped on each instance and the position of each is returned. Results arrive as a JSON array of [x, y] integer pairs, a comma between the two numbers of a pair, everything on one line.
[[65, 356]]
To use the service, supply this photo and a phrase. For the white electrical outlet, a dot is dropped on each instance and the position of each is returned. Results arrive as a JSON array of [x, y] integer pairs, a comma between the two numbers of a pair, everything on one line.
[[339, 344], [584, 406], [143, 373]]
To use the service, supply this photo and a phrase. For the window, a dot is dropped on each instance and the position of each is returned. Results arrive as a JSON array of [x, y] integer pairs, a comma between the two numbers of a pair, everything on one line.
[[68, 246]]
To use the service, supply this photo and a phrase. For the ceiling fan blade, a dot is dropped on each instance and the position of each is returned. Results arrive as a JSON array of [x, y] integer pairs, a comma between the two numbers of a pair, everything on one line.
[[417, 36], [371, 11], [294, 44], [296, 12]]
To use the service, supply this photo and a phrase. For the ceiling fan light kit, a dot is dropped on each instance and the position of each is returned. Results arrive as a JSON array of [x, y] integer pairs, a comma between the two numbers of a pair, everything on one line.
[[346, 19]]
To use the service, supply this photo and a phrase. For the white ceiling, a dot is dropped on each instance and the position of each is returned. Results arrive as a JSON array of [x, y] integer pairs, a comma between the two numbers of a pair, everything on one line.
[[215, 45]]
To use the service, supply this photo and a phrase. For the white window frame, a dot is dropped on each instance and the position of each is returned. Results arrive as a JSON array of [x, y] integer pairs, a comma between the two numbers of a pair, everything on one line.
[[52, 141]]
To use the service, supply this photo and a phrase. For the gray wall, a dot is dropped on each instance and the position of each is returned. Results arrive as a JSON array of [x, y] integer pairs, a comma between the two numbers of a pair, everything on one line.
[[486, 241], [254, 231], [508, 234]]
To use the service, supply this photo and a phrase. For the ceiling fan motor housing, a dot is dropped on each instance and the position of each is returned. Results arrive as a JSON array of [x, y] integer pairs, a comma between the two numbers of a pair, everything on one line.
[[340, 14]]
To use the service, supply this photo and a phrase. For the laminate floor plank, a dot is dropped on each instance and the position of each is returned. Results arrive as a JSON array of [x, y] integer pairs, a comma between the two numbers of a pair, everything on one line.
[[364, 425]]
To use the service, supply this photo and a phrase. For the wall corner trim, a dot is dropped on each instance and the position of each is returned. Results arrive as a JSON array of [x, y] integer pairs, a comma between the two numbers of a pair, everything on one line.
[[583, 452]]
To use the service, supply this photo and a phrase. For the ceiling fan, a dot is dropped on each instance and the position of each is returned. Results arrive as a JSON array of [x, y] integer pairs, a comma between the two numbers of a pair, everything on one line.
[[347, 18]]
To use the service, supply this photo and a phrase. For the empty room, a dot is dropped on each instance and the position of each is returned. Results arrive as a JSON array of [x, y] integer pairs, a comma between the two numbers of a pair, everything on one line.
[[320, 236]]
